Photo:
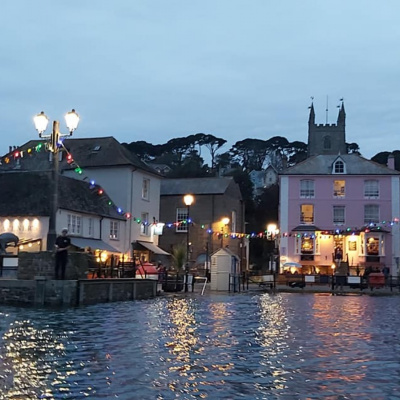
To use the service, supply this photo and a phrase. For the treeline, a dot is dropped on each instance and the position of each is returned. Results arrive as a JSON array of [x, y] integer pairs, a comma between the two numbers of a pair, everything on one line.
[[184, 156]]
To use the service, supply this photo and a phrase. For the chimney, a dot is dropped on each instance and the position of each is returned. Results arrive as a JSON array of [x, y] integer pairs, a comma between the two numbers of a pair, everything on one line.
[[9, 149], [390, 161]]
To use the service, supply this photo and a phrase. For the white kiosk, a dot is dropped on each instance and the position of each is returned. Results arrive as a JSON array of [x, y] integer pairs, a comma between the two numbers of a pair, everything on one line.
[[225, 266]]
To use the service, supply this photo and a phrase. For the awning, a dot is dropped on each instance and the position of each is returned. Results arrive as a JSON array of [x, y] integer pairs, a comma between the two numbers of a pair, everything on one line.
[[306, 228], [94, 244], [153, 248]]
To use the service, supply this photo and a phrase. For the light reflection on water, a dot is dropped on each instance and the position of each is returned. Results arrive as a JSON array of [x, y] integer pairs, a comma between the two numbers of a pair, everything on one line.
[[285, 346]]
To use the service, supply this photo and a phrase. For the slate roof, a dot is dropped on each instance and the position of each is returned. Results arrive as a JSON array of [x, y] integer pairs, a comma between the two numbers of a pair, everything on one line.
[[87, 152], [322, 165], [173, 187], [30, 193]]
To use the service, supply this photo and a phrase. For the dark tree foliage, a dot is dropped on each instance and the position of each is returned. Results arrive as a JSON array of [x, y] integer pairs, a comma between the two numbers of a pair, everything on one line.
[[145, 151], [353, 148], [250, 153], [212, 143], [246, 187], [265, 212], [382, 158]]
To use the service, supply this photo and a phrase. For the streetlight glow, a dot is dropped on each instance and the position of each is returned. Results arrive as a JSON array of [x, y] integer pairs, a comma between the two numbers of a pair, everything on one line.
[[188, 199], [41, 121], [225, 220], [71, 120]]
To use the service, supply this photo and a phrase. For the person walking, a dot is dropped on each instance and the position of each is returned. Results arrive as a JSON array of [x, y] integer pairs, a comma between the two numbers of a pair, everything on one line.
[[62, 245]]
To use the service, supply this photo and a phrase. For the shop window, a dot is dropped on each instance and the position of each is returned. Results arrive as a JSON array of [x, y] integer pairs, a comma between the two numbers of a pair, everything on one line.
[[373, 246], [307, 245]]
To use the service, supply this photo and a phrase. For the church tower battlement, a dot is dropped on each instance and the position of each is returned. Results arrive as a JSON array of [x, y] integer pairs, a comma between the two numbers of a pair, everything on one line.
[[327, 138]]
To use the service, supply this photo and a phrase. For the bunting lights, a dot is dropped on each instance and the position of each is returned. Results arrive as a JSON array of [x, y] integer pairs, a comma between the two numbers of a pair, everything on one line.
[[374, 227]]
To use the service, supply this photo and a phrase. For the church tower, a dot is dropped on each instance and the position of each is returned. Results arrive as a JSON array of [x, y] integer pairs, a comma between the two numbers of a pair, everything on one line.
[[327, 138]]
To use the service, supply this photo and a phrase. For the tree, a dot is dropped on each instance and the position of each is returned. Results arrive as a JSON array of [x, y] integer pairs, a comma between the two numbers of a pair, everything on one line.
[[250, 153], [353, 148]]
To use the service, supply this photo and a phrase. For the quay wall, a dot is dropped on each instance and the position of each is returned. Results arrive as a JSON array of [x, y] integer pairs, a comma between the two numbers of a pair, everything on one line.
[[43, 292]]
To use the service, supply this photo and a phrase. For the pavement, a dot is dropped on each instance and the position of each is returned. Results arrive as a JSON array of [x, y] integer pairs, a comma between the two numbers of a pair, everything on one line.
[[310, 288]]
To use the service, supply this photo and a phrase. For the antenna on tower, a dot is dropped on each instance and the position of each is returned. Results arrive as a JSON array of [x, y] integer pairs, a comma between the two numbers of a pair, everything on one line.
[[326, 110]]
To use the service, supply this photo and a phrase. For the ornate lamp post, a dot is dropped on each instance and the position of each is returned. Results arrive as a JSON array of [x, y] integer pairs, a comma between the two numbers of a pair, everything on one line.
[[188, 200], [41, 121]]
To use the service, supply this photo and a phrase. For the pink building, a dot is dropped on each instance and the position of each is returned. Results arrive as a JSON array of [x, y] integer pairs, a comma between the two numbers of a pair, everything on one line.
[[336, 205]]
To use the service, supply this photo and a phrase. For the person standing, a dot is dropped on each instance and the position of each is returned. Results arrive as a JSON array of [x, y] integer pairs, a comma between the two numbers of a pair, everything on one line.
[[63, 243]]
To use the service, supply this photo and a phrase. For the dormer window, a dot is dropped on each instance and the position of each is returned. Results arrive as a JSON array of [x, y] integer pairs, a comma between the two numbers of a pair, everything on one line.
[[339, 167]]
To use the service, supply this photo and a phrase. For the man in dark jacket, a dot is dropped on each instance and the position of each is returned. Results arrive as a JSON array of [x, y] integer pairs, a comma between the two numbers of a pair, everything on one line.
[[63, 243]]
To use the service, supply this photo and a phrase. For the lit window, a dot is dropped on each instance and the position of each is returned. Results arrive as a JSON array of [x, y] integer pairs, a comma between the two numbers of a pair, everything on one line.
[[306, 188], [339, 188], [114, 230], [306, 214], [372, 246], [74, 224], [181, 215], [145, 189], [371, 214], [371, 188], [338, 215], [144, 226]]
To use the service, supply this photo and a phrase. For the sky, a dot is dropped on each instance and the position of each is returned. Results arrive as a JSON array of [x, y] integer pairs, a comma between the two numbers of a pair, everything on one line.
[[236, 69]]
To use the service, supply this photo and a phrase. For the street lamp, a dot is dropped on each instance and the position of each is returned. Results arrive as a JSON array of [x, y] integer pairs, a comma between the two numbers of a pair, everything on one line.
[[41, 121], [188, 200], [225, 222], [272, 232]]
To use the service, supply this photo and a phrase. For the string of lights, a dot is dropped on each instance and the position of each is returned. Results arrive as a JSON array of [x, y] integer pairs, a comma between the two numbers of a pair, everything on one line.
[[17, 153]]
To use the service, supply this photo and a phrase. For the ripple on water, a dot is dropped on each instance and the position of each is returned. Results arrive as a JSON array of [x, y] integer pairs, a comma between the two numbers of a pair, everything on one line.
[[242, 346]]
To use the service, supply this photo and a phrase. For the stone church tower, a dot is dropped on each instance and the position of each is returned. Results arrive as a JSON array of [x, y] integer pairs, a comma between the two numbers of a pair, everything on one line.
[[328, 138]]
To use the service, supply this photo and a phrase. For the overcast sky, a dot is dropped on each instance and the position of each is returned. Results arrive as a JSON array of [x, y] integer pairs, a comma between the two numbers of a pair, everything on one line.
[[156, 70]]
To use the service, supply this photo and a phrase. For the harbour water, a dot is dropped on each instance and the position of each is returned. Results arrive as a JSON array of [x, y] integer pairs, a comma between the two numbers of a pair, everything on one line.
[[239, 346]]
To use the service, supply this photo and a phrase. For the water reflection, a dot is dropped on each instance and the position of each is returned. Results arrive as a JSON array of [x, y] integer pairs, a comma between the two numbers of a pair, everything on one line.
[[281, 346]]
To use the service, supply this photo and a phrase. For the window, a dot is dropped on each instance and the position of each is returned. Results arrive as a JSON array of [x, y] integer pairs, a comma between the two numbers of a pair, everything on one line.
[[144, 226], [306, 188], [371, 189], [327, 142], [372, 246], [338, 215], [306, 214], [145, 189], [74, 224], [233, 221], [339, 188], [114, 230], [371, 213], [90, 227], [181, 215], [339, 167]]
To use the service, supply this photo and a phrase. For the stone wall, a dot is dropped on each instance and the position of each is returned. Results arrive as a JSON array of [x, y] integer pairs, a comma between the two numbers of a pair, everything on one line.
[[41, 291], [42, 264]]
